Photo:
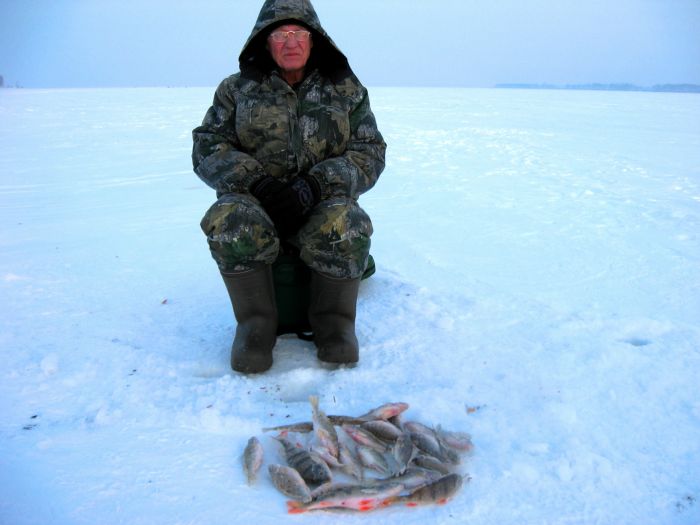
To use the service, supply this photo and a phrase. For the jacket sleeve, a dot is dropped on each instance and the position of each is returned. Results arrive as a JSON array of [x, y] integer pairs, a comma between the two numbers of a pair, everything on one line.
[[357, 170], [216, 154]]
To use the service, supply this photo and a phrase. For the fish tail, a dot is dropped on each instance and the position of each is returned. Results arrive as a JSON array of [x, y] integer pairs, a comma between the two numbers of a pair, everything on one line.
[[295, 507], [387, 502]]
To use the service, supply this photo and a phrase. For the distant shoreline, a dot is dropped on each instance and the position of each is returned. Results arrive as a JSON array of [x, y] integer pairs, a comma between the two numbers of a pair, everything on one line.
[[659, 88]]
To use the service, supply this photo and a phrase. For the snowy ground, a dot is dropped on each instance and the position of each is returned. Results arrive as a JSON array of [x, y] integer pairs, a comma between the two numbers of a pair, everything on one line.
[[538, 286]]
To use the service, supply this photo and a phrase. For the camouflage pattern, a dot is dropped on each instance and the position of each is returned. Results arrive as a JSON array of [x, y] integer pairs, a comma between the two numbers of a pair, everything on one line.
[[239, 233], [335, 239], [259, 125]]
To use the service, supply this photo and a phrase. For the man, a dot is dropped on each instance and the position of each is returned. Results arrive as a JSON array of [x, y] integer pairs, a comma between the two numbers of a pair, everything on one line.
[[289, 144]]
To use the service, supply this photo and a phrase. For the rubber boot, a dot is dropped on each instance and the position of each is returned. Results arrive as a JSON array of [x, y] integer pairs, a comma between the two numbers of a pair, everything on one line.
[[252, 295], [332, 310]]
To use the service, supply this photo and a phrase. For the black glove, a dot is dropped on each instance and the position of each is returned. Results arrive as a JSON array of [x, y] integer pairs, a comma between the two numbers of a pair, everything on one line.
[[288, 204], [263, 188]]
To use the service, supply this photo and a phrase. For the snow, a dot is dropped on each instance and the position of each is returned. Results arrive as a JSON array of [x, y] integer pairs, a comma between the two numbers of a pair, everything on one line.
[[538, 286]]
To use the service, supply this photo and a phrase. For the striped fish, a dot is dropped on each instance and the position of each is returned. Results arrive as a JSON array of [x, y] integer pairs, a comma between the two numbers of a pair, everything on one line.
[[439, 492], [312, 468], [289, 482], [355, 497], [324, 429], [252, 459]]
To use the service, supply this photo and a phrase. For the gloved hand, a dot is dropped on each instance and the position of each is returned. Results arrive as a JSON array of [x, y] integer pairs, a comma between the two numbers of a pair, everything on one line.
[[265, 187], [288, 204]]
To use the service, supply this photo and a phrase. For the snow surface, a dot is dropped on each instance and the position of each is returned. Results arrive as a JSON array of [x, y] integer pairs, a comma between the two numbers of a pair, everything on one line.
[[538, 286]]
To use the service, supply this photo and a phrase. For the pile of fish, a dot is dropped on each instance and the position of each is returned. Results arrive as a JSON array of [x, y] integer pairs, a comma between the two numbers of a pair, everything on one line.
[[381, 460]]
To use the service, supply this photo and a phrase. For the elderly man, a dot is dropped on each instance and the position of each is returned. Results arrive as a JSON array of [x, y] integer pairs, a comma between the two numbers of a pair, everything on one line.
[[289, 145]]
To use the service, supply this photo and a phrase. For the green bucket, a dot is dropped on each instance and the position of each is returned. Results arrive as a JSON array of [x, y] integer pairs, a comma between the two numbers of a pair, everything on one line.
[[292, 277]]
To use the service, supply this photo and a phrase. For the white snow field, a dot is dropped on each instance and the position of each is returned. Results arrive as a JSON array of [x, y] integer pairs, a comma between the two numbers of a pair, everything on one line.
[[538, 286]]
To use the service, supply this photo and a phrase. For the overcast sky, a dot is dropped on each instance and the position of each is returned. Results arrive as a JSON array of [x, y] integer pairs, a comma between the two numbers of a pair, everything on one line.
[[85, 43]]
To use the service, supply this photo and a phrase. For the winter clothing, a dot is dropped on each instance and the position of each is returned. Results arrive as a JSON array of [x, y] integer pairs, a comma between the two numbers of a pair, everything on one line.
[[288, 164], [287, 204], [259, 126], [253, 299], [335, 239], [332, 312]]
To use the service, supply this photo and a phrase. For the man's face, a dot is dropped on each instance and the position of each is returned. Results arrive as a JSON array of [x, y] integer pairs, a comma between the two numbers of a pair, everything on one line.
[[292, 52]]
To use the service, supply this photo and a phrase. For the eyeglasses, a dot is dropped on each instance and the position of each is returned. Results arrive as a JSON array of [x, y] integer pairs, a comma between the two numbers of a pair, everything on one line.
[[282, 36]]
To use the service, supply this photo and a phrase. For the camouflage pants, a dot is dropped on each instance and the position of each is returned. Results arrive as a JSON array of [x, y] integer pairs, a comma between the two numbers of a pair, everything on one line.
[[334, 240]]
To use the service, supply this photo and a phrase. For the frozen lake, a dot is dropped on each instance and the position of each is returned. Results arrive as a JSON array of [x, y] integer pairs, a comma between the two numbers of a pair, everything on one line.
[[538, 286]]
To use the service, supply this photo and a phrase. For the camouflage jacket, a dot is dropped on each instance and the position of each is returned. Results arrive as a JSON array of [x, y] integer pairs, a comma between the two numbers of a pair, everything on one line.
[[259, 125]]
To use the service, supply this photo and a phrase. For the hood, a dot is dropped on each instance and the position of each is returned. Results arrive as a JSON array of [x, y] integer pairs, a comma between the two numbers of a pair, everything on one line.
[[255, 59]]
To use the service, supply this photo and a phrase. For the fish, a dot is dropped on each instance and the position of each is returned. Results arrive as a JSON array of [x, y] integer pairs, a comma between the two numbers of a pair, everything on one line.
[[439, 491], [325, 455], [385, 411], [305, 427], [312, 468], [450, 454], [252, 459], [429, 444], [431, 463], [355, 497], [345, 420], [323, 428], [289, 482], [396, 420], [402, 451], [364, 438], [374, 460], [382, 429], [350, 465], [414, 463], [460, 441], [415, 478], [322, 491], [417, 427]]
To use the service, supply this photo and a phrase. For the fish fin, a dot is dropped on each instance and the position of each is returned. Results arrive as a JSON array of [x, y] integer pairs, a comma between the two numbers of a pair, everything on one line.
[[314, 402], [295, 507]]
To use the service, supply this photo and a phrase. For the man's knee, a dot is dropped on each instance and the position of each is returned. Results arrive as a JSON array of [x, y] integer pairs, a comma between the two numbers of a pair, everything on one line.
[[239, 233], [336, 238]]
